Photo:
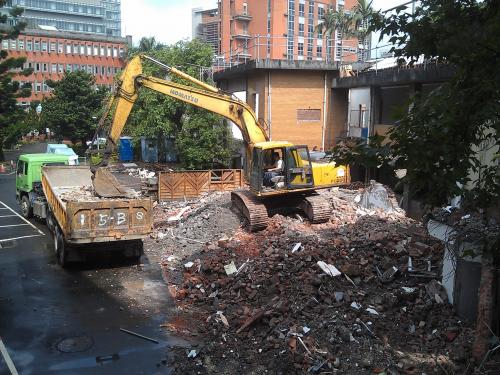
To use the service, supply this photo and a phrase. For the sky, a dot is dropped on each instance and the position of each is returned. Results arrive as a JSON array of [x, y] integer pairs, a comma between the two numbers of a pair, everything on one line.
[[167, 20], [170, 20]]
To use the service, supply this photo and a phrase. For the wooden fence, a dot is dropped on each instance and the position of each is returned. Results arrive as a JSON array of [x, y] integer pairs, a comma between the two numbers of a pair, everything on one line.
[[190, 184]]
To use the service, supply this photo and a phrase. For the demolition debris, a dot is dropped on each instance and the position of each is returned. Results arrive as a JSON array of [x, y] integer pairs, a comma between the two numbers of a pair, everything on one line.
[[359, 294]]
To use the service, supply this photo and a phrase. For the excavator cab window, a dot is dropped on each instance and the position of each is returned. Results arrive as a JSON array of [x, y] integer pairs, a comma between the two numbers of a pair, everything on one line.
[[256, 170], [298, 168]]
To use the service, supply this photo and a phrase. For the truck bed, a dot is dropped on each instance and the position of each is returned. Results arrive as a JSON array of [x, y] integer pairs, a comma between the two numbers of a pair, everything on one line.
[[84, 217]]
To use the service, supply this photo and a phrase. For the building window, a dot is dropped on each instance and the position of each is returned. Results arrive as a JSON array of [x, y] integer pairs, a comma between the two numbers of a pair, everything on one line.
[[44, 46], [75, 67], [38, 67], [29, 45], [300, 48], [89, 50], [82, 49], [76, 48], [60, 68], [69, 67], [110, 53], [103, 51], [60, 48], [321, 11], [20, 44], [115, 52], [122, 52], [310, 49], [45, 67], [5, 44], [319, 51], [301, 9], [13, 44], [310, 29], [52, 46], [37, 45], [54, 68], [38, 87], [68, 49], [96, 50], [301, 29]]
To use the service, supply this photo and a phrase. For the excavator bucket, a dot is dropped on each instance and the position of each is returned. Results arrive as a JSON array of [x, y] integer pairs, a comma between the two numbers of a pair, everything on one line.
[[107, 186]]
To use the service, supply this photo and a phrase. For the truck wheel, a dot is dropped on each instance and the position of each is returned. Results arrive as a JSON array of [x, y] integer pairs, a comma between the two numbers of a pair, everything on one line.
[[61, 249], [50, 222], [26, 209]]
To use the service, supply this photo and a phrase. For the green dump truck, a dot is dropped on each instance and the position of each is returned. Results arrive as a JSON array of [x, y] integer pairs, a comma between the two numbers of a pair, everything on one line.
[[48, 188]]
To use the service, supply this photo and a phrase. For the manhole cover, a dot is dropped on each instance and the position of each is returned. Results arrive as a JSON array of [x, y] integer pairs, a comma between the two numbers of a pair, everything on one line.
[[75, 344]]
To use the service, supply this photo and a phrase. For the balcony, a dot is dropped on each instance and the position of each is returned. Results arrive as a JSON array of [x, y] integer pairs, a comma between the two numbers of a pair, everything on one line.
[[241, 35], [242, 17]]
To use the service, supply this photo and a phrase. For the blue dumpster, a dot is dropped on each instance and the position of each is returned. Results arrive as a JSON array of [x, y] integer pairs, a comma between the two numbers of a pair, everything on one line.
[[126, 152]]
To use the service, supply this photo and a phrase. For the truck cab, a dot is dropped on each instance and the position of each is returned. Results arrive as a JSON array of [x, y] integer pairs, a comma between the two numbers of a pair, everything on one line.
[[29, 176]]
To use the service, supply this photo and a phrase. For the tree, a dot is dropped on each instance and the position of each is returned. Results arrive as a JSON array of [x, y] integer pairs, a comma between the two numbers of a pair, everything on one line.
[[72, 111], [157, 116], [348, 24], [10, 112], [363, 13], [337, 21]]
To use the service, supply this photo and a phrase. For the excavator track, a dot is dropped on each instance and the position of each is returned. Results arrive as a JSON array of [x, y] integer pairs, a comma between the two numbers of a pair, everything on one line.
[[316, 208], [254, 211]]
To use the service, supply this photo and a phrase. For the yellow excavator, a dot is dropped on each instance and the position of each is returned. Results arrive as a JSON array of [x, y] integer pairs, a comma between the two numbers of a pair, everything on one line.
[[290, 186]]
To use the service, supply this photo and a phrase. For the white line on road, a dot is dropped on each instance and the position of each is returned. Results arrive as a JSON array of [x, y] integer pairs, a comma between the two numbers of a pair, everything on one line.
[[7, 359], [12, 225], [18, 238], [8, 216], [15, 213]]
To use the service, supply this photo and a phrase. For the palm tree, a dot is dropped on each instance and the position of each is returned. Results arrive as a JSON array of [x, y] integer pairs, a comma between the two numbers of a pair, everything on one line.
[[363, 12], [147, 44], [348, 24], [339, 21]]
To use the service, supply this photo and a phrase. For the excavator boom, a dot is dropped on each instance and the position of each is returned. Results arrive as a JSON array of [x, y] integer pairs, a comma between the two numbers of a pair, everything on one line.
[[204, 96]]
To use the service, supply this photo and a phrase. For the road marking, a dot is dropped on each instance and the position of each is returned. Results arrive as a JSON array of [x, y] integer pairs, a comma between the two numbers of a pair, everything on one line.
[[7, 359], [12, 225], [19, 238], [27, 222], [8, 216]]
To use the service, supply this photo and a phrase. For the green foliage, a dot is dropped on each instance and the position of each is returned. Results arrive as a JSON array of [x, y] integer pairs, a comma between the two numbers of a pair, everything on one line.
[[372, 154], [438, 140], [349, 24], [73, 109], [200, 141], [10, 112], [155, 115]]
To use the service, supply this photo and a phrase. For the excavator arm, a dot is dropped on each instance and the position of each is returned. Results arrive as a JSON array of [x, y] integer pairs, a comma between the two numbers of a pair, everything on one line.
[[204, 96]]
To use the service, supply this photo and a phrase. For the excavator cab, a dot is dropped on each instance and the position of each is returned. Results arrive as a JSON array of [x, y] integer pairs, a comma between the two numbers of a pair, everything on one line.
[[280, 167]]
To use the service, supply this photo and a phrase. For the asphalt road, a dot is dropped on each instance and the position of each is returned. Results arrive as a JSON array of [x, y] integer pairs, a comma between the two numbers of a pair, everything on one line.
[[68, 321]]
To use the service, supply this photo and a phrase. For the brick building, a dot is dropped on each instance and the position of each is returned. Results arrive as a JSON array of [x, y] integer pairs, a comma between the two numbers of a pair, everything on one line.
[[206, 25], [51, 52], [294, 98], [280, 29]]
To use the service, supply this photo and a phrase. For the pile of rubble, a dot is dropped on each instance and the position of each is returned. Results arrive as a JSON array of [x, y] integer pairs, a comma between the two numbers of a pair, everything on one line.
[[356, 295]]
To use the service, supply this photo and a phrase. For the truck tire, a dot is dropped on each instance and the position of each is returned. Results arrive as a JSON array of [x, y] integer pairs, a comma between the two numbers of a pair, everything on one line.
[[26, 209], [60, 247], [50, 221]]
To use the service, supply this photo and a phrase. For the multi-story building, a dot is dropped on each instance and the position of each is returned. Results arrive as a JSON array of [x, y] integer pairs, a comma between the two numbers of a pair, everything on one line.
[[281, 29], [50, 53], [86, 16], [65, 36], [206, 27]]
